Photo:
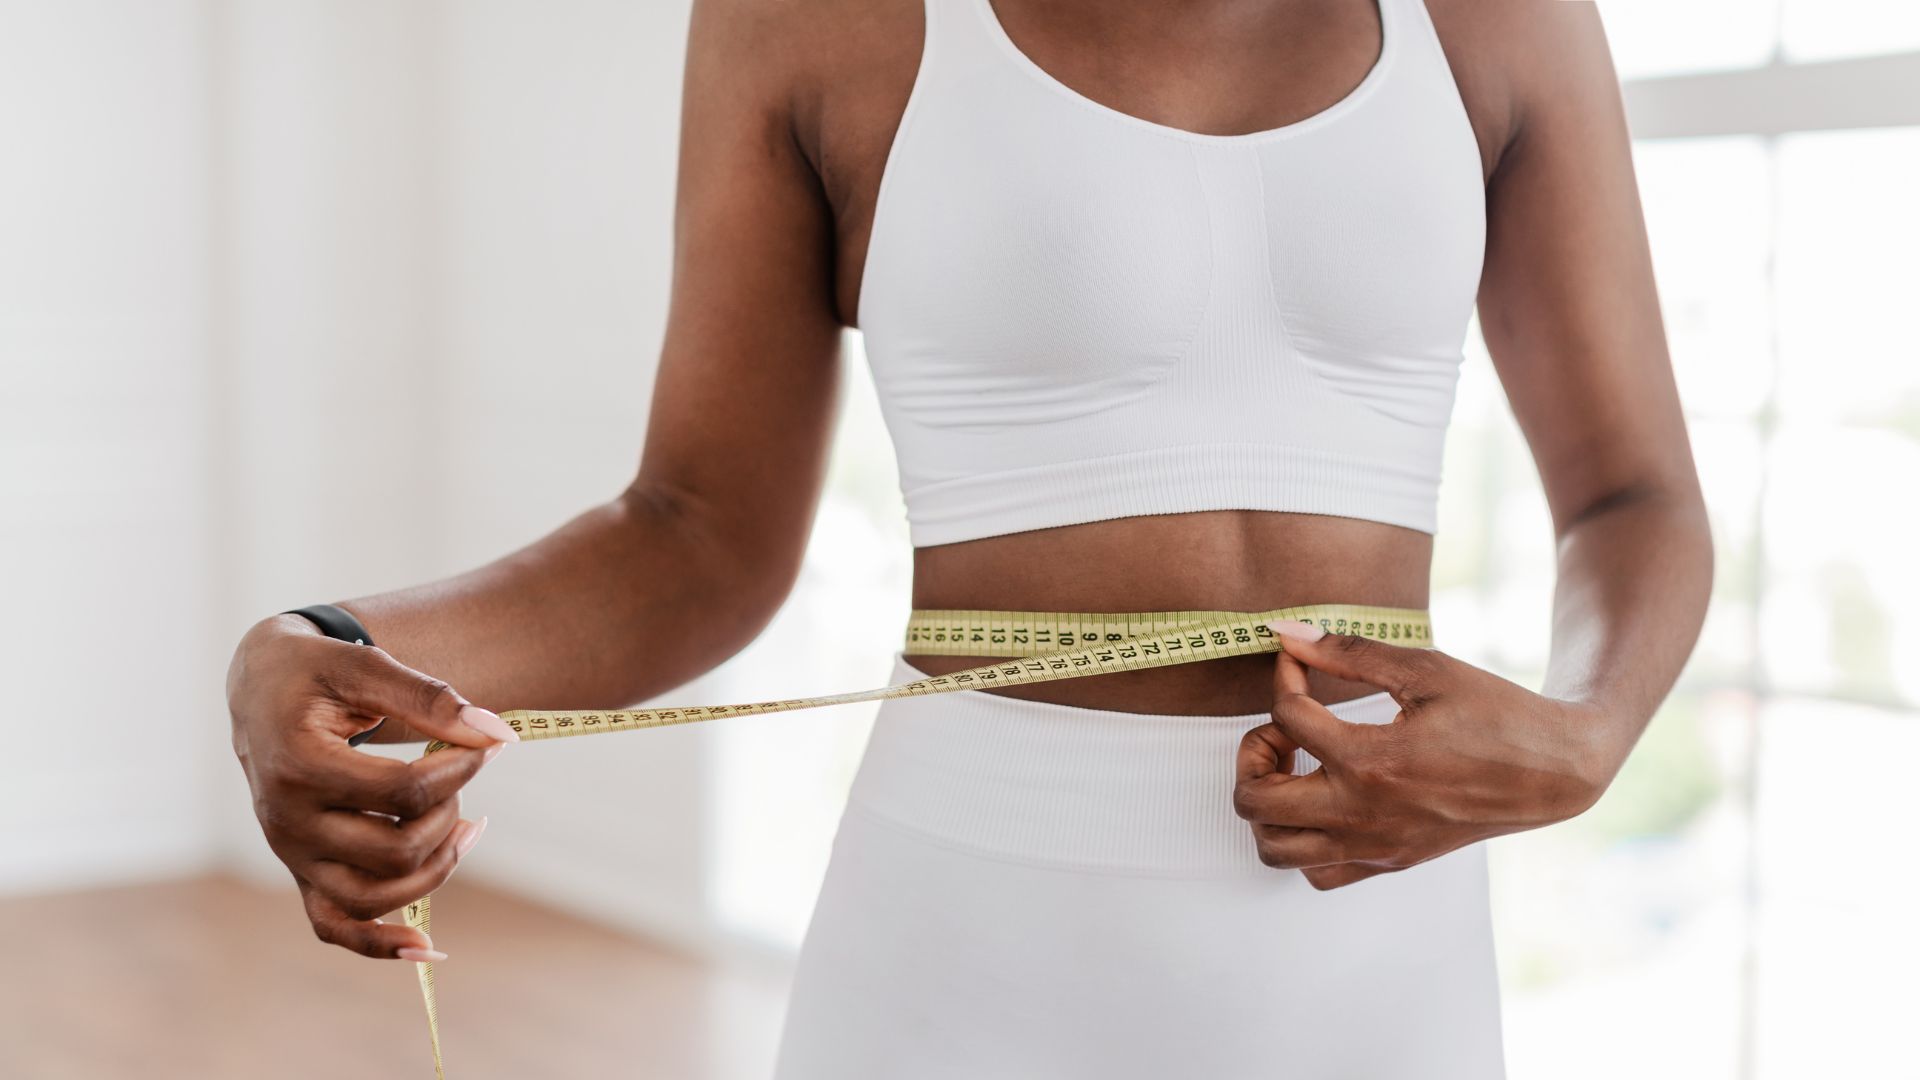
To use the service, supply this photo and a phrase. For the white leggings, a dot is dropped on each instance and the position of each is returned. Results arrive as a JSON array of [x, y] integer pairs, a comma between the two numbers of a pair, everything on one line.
[[1023, 890]]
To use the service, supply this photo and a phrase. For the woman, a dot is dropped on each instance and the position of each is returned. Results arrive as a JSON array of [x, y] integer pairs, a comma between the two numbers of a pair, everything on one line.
[[1165, 303]]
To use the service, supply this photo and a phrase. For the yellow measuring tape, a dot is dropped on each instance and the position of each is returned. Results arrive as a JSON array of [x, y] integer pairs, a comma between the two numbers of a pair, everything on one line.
[[1041, 647]]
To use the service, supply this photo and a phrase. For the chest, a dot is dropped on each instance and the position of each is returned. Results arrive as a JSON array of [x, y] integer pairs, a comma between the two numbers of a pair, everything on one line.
[[1214, 69]]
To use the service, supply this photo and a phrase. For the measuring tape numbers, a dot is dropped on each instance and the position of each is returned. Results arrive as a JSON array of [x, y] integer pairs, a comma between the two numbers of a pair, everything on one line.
[[1027, 647]]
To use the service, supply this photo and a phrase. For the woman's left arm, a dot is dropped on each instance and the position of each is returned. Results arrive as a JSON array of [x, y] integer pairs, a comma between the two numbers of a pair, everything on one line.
[[1570, 315]]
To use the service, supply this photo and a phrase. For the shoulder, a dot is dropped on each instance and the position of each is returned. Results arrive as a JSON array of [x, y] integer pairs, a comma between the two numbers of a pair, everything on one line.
[[816, 61], [1514, 59], [803, 42]]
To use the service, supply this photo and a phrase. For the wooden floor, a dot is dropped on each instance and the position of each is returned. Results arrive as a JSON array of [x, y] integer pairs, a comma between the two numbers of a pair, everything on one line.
[[214, 978]]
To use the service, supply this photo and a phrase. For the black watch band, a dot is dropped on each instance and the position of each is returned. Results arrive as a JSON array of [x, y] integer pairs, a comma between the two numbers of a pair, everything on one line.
[[339, 624]]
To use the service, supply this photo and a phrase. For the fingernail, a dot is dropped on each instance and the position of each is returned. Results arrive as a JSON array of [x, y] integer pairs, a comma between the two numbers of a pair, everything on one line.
[[420, 956], [487, 724], [1293, 628], [492, 752], [465, 843]]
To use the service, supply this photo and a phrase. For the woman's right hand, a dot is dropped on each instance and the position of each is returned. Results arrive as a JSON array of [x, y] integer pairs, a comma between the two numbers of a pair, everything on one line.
[[363, 835]]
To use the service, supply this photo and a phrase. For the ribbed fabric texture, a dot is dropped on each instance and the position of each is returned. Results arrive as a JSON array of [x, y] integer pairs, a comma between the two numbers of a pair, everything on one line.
[[1081, 789], [1172, 480], [1074, 314]]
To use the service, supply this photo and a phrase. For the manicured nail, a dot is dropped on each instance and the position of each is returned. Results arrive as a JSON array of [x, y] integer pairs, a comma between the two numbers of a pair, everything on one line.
[[465, 843], [420, 956], [487, 724], [492, 752], [1292, 628]]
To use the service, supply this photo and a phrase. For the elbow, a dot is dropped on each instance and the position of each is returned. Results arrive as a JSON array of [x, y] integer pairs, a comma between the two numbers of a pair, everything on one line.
[[751, 584], [1672, 513], [1676, 502], [729, 571], [1691, 527]]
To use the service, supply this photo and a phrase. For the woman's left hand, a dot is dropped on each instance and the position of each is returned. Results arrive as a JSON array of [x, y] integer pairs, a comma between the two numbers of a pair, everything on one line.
[[1470, 756]]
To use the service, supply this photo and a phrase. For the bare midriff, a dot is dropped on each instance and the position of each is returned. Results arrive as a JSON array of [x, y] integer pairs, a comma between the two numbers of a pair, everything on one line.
[[1229, 560]]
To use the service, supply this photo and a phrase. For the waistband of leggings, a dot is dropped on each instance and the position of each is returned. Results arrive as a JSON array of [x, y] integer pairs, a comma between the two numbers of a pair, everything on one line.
[[1060, 786]]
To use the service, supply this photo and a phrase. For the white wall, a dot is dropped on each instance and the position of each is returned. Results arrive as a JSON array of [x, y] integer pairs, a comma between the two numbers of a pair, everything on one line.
[[110, 702], [556, 128], [299, 300], [448, 254], [328, 455]]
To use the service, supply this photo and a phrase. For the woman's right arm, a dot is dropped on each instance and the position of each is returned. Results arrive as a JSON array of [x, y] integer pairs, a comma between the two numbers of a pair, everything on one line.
[[628, 600]]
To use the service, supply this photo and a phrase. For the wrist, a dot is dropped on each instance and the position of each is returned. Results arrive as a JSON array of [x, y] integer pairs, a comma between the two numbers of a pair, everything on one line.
[[261, 635], [339, 624], [283, 624]]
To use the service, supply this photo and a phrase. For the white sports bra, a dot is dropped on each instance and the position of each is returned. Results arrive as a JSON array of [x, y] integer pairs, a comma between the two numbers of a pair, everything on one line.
[[1074, 314]]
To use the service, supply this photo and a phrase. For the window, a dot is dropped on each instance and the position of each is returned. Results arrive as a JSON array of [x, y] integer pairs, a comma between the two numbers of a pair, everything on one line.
[[1665, 37], [1701, 910], [1828, 29]]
